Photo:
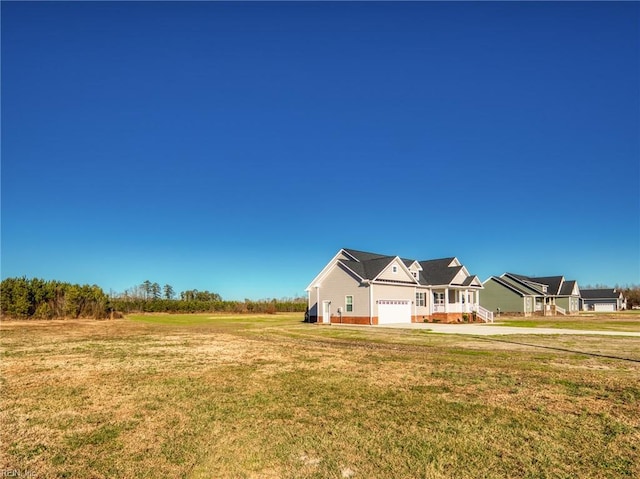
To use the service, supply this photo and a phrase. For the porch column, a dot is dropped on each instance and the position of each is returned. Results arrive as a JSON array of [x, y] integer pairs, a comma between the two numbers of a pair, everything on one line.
[[446, 300], [370, 303], [467, 309]]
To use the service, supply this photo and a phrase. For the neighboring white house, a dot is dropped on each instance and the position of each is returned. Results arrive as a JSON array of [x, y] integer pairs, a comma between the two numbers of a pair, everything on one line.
[[357, 287], [602, 300]]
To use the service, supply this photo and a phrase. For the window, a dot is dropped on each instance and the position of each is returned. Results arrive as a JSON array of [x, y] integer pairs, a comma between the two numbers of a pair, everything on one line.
[[438, 297], [415, 274], [394, 269], [421, 299], [348, 302]]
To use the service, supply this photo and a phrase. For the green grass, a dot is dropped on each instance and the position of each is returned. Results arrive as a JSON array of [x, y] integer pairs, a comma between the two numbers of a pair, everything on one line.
[[220, 320], [233, 396], [585, 321]]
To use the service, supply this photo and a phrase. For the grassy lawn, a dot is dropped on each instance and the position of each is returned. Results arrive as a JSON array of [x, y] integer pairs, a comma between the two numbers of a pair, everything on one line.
[[621, 321], [202, 396]]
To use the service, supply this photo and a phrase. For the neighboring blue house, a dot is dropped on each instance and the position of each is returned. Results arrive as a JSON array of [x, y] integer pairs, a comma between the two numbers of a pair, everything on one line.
[[603, 299]]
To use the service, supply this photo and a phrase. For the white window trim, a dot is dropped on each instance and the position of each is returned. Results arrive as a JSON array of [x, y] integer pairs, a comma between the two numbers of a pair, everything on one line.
[[347, 304], [438, 297]]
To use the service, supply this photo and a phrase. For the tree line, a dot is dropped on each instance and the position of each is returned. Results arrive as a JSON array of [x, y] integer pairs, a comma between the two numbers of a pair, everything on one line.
[[24, 298], [632, 295], [37, 298]]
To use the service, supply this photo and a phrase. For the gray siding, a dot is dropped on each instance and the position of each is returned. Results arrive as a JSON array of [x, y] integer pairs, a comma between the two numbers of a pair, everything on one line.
[[337, 285]]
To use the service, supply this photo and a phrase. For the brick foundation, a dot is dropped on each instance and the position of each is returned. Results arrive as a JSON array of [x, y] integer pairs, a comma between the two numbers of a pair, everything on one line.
[[453, 318], [345, 320], [352, 320], [445, 317], [421, 318]]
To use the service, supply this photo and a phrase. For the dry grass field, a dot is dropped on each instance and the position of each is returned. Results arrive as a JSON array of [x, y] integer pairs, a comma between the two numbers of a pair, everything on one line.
[[204, 396]]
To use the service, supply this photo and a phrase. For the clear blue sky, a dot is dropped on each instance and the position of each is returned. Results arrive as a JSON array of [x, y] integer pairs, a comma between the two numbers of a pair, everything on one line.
[[236, 147]]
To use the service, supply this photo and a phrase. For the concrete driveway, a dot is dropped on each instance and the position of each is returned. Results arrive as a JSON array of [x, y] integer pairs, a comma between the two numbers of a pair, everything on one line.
[[482, 329]]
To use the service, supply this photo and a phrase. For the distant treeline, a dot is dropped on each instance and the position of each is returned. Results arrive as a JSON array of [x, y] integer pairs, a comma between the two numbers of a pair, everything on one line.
[[24, 298], [195, 306], [37, 298], [632, 294]]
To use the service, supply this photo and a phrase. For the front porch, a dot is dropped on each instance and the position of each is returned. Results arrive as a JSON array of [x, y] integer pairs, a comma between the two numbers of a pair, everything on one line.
[[455, 305], [544, 307]]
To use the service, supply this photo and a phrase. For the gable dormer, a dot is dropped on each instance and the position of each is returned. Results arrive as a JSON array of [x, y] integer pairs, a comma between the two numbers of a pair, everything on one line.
[[460, 277], [397, 271], [414, 268]]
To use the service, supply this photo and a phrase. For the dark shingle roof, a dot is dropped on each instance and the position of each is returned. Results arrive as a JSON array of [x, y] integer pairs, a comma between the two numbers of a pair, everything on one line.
[[368, 269], [556, 285], [553, 283], [468, 280], [517, 283], [599, 293], [434, 272], [567, 288], [363, 255], [527, 281], [438, 271], [519, 288]]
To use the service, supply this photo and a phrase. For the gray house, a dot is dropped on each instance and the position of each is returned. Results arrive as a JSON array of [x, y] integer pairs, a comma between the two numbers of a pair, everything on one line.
[[602, 300], [546, 296], [358, 287]]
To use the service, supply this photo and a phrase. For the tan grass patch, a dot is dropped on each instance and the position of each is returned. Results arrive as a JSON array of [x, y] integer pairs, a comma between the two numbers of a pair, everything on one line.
[[127, 399]]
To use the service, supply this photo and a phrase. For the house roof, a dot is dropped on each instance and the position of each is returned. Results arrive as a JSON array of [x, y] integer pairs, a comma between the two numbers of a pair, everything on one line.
[[434, 272], [516, 285], [602, 293], [555, 285], [523, 284], [438, 271], [363, 255], [567, 288], [469, 280], [368, 269]]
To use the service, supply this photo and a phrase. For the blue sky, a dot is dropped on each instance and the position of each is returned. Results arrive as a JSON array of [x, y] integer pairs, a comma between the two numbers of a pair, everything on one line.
[[236, 147]]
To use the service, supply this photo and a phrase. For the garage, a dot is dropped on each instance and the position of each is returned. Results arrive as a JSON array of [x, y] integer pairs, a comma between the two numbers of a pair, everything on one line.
[[392, 311], [602, 307]]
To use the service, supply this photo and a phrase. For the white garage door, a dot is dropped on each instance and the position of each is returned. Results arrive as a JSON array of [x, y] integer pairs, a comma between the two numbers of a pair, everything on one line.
[[394, 311], [604, 307]]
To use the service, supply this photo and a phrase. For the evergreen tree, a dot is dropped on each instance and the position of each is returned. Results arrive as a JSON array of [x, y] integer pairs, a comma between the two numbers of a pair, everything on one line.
[[168, 291]]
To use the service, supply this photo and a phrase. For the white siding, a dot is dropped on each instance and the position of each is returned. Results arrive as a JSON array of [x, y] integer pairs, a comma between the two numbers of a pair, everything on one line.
[[426, 309], [460, 277]]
